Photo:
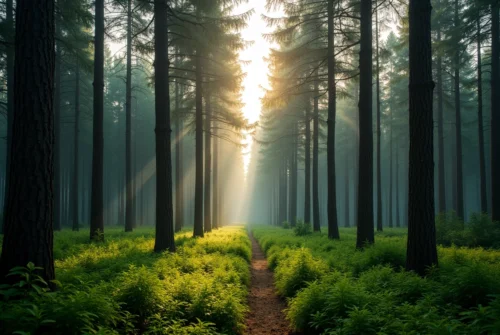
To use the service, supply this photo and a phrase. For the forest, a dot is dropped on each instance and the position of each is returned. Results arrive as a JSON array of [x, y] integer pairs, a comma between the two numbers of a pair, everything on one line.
[[258, 167]]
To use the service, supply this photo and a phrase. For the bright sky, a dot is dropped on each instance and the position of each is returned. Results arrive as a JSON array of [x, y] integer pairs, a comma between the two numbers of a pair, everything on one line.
[[257, 70]]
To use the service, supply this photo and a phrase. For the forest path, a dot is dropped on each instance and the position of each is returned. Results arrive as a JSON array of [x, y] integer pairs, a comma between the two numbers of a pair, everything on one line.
[[266, 308]]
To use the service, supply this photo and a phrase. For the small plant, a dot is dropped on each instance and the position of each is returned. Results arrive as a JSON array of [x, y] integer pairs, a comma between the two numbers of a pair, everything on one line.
[[302, 228], [285, 225]]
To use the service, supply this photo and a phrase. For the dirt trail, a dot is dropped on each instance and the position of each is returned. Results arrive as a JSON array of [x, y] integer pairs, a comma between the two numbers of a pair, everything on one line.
[[266, 309]]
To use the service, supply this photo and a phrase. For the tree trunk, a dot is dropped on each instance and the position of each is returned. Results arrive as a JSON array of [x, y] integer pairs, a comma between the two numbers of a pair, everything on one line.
[[347, 223], [9, 24], [208, 166], [30, 199], [421, 247], [482, 159], [391, 176], [495, 115], [129, 218], [97, 200], [365, 233], [57, 138], [293, 179], [379, 171], [215, 192], [76, 148], [198, 196], [307, 167], [441, 173], [458, 125], [164, 239], [333, 226], [179, 179], [398, 213], [315, 164]]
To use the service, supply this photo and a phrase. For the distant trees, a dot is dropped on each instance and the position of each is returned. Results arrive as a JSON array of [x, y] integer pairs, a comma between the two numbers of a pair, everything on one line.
[[30, 198]]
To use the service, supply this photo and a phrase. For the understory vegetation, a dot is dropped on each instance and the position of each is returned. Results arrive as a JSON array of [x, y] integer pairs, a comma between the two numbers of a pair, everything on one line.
[[121, 287], [332, 288]]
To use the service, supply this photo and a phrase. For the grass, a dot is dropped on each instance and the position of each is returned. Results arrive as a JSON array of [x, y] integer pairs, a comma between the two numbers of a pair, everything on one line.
[[332, 288], [122, 287]]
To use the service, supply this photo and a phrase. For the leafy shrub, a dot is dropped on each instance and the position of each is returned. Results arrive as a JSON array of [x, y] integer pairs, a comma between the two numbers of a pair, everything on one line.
[[285, 225], [119, 286], [296, 271], [302, 228], [369, 292]]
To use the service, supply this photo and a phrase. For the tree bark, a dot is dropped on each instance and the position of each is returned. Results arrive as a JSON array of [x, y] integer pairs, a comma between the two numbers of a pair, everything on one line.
[[28, 234], [179, 176], [379, 171], [164, 239], [307, 163], [482, 159], [391, 176], [129, 218], [495, 114], [441, 171], [57, 138], [198, 196], [333, 225], [293, 181], [458, 125], [347, 213], [9, 24], [76, 147], [208, 166], [97, 200], [421, 245], [215, 195], [365, 234], [315, 164]]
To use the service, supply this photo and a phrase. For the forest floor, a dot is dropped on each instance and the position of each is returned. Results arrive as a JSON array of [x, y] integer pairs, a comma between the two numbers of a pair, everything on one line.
[[266, 308]]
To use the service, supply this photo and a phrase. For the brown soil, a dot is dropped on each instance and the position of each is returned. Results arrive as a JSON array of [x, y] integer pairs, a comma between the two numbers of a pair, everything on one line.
[[266, 308]]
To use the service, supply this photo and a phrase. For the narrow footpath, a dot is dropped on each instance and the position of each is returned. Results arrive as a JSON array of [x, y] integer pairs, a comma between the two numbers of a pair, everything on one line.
[[266, 308]]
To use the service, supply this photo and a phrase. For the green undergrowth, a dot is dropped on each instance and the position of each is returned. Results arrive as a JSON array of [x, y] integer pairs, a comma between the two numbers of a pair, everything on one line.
[[122, 287], [332, 288]]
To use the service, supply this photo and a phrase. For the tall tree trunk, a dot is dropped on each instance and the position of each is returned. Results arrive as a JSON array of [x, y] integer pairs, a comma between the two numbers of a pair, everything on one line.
[[307, 163], [28, 233], [129, 217], [441, 173], [458, 125], [365, 233], [347, 213], [97, 200], [164, 239], [198, 196], [482, 159], [495, 114], [9, 24], [421, 247], [398, 213], [293, 179], [333, 225], [315, 165], [391, 176], [179, 175], [57, 138], [208, 166], [76, 147], [215, 192], [379, 170]]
